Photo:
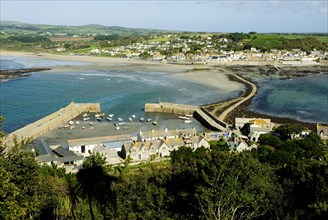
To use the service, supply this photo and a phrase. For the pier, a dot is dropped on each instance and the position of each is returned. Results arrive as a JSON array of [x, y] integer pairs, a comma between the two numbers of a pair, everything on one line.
[[210, 121], [171, 108], [52, 121], [202, 115]]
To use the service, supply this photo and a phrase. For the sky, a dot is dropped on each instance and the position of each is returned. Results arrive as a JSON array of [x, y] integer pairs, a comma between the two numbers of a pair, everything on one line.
[[262, 16]]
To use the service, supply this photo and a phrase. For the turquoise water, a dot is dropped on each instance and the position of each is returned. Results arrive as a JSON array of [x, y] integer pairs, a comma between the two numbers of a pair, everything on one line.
[[28, 99], [303, 98]]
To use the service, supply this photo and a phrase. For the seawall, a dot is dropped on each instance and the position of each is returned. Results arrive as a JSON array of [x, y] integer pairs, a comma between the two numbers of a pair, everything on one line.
[[50, 122], [172, 108]]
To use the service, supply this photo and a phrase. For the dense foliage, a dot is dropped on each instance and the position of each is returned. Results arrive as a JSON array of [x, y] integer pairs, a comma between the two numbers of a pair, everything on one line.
[[283, 179], [28, 39]]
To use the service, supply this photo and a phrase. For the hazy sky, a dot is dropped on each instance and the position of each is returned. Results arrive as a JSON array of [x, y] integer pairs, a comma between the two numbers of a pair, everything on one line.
[[201, 15]]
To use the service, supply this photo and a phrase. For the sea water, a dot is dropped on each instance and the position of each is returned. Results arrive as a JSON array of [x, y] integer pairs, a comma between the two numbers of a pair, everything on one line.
[[25, 100], [303, 98]]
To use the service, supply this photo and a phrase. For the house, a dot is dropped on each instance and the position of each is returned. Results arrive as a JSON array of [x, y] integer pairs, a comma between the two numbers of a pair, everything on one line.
[[142, 150], [253, 128], [322, 131], [162, 134], [60, 156]]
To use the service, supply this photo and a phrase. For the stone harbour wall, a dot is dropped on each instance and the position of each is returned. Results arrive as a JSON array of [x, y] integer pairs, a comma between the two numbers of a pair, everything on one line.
[[172, 108], [50, 122]]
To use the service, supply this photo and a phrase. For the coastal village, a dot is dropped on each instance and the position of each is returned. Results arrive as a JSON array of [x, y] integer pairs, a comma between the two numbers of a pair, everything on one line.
[[150, 145], [201, 49]]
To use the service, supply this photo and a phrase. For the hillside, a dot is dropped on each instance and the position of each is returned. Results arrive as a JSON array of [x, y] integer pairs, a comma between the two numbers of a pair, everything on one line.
[[12, 27]]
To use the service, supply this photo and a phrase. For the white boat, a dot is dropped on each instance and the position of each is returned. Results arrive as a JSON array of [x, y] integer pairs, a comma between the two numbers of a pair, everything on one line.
[[120, 119], [130, 119], [116, 124], [121, 123], [148, 119], [85, 115], [142, 119], [91, 128], [90, 123], [66, 126], [110, 115], [117, 128], [86, 119], [99, 119], [154, 123], [133, 116], [83, 127], [71, 122], [187, 121], [184, 118], [77, 122], [109, 119], [97, 115], [188, 116], [72, 127]]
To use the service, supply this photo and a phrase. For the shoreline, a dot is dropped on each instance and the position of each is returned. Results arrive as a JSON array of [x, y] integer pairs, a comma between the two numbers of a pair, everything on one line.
[[217, 77]]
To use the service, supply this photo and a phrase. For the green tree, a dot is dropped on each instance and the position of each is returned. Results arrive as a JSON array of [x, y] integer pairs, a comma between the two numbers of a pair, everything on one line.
[[95, 184], [220, 185]]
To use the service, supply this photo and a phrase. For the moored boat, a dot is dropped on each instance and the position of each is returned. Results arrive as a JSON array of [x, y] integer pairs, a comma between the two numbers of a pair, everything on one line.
[[130, 119], [187, 121], [184, 118], [154, 123], [142, 119], [99, 119], [149, 119], [120, 119]]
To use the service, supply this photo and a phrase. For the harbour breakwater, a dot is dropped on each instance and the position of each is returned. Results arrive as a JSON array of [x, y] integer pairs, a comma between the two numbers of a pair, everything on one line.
[[46, 124], [172, 108], [202, 115]]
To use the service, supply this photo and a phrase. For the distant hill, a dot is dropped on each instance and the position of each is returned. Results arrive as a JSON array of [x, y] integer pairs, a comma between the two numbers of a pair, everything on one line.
[[13, 27]]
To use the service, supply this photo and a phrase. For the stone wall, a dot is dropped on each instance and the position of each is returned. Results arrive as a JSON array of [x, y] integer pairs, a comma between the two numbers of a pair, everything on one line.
[[164, 107], [50, 122]]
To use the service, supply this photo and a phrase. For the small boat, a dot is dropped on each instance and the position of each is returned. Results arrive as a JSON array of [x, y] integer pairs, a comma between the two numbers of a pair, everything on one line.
[[117, 128], [77, 122], [97, 115], [121, 123], [133, 116], [187, 121], [142, 119], [102, 114], [110, 115], [148, 119], [91, 128], [99, 119], [83, 127], [120, 119], [86, 119], [72, 127], [85, 115], [109, 119], [188, 115], [71, 122], [130, 119], [154, 123], [66, 126], [90, 123], [184, 118]]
